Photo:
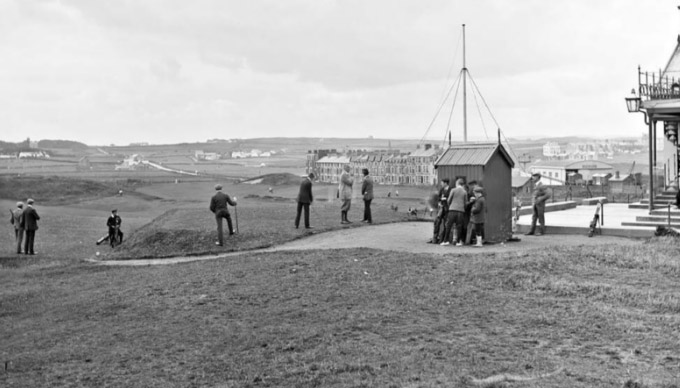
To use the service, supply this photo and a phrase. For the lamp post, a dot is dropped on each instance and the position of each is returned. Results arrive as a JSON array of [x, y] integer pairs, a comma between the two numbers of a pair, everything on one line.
[[634, 105]]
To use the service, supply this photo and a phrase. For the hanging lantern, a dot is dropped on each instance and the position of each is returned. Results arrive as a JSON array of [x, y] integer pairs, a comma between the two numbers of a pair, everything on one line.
[[633, 103]]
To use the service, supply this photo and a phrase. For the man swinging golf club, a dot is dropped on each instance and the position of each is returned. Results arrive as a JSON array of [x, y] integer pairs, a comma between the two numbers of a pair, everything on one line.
[[218, 205]]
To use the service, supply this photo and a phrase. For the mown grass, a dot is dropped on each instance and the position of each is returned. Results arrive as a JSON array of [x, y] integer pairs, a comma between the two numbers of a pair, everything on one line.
[[343, 318], [348, 318]]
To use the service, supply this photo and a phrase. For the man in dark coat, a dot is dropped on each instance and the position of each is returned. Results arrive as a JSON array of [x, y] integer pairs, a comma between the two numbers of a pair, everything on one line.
[[29, 223], [113, 222], [539, 198], [304, 199], [218, 205], [442, 212], [367, 192]]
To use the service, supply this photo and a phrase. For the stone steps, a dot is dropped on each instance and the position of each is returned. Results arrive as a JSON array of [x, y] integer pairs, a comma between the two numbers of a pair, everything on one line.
[[650, 224]]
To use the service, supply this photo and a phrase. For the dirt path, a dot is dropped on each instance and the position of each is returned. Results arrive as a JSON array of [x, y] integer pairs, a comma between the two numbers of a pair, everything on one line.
[[403, 237]]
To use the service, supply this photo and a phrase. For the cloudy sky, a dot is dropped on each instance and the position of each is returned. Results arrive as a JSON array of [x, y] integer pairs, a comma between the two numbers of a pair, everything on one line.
[[168, 71]]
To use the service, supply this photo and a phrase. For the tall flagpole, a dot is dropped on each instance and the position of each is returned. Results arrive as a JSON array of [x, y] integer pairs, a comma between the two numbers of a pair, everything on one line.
[[464, 91]]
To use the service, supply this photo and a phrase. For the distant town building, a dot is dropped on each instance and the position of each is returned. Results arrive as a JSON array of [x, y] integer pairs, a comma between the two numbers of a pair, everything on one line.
[[140, 144], [554, 150], [313, 156], [329, 167], [33, 155], [130, 163], [601, 179], [200, 155], [240, 155], [386, 167], [555, 173], [521, 182], [625, 183]]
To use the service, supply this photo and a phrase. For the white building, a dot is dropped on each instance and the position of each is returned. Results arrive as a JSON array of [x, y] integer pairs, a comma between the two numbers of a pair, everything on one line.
[[554, 150], [555, 173], [33, 154]]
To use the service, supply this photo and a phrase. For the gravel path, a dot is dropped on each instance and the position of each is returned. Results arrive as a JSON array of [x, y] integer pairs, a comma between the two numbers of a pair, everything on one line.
[[403, 237]]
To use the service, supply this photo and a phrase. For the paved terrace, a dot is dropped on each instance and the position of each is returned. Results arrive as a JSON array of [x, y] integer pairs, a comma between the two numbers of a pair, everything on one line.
[[617, 220]]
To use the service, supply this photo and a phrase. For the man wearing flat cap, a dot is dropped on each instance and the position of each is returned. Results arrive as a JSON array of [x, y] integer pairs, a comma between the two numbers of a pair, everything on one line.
[[16, 221], [113, 222], [218, 205], [29, 223], [538, 199]]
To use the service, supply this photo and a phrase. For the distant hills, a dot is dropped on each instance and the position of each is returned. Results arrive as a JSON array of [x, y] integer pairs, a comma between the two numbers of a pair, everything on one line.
[[45, 144], [62, 144], [285, 143]]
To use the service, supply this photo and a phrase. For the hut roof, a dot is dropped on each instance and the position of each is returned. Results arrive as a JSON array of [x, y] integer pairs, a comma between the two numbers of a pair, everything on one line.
[[621, 178], [519, 180], [475, 154]]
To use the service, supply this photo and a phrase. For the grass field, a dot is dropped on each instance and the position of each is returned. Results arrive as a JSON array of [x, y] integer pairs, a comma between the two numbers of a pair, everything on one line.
[[554, 317], [352, 318]]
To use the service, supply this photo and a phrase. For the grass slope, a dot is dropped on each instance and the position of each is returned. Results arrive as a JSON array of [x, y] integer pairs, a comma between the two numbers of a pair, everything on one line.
[[52, 190], [351, 318]]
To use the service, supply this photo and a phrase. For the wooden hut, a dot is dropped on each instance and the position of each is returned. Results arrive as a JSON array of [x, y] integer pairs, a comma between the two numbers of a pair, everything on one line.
[[624, 183], [490, 165]]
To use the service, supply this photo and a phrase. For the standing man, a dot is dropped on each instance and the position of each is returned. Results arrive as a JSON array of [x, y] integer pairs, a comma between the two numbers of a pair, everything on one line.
[[367, 192], [16, 221], [304, 199], [345, 190], [29, 223], [538, 199], [457, 201], [442, 211], [113, 222], [218, 205]]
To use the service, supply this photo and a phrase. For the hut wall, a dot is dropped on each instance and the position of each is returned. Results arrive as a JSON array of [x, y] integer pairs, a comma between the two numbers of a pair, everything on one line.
[[497, 182]]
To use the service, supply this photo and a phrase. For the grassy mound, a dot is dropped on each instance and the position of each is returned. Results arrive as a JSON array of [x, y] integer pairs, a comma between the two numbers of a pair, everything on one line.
[[52, 190], [192, 231], [275, 179]]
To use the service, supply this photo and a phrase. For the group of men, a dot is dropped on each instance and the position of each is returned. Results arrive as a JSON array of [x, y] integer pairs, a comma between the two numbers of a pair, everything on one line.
[[25, 221], [461, 213], [345, 189], [460, 218], [219, 202]]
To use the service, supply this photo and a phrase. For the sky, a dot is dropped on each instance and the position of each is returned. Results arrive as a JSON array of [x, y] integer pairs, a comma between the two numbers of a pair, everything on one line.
[[171, 71]]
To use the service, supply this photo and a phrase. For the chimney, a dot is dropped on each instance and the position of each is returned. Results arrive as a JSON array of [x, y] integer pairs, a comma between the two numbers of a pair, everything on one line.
[[428, 146], [617, 175]]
